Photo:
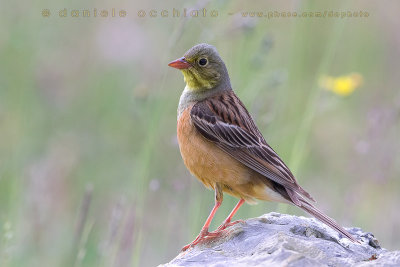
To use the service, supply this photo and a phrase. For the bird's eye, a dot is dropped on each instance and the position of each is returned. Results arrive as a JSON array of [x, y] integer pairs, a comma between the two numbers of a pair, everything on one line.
[[203, 61]]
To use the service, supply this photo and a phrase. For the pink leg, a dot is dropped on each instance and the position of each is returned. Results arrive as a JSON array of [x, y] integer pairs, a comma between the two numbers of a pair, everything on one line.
[[204, 231], [227, 221]]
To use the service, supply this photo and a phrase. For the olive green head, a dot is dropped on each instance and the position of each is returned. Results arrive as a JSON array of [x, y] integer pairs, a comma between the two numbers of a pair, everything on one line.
[[202, 68]]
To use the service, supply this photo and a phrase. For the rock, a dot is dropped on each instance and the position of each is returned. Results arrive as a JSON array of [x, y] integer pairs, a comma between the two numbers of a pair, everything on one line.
[[283, 240]]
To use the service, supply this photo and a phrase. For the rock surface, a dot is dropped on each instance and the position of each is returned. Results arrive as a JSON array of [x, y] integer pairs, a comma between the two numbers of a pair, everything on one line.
[[283, 240]]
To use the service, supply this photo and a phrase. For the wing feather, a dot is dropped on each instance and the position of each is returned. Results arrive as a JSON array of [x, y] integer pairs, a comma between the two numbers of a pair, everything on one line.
[[223, 119]]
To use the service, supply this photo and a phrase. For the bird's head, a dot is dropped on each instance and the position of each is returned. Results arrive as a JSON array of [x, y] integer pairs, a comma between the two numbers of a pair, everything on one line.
[[202, 68]]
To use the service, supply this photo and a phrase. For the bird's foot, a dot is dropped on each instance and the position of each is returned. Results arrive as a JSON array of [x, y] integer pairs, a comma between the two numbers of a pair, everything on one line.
[[227, 224], [203, 236]]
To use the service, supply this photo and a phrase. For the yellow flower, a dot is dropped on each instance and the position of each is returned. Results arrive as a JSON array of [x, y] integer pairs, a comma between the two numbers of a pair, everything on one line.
[[342, 85]]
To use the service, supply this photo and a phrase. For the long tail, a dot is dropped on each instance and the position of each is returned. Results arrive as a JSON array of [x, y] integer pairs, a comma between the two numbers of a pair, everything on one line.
[[308, 207], [300, 201]]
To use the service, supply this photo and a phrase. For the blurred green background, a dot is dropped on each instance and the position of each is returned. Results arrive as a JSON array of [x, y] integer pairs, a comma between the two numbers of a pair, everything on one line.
[[90, 170]]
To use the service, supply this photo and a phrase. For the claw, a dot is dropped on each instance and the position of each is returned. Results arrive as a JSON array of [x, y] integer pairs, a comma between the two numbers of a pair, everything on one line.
[[228, 224], [202, 237]]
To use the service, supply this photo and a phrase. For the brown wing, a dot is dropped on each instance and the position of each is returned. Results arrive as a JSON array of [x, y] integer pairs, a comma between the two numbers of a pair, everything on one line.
[[223, 119]]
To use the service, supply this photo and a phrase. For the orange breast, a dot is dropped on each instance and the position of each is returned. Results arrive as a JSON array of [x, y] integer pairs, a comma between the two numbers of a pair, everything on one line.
[[211, 165]]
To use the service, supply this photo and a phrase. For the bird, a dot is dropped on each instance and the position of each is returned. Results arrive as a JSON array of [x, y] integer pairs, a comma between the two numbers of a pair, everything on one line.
[[221, 145]]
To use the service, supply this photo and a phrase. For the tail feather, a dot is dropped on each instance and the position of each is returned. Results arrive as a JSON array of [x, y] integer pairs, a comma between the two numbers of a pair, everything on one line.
[[308, 207], [300, 201], [306, 194]]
